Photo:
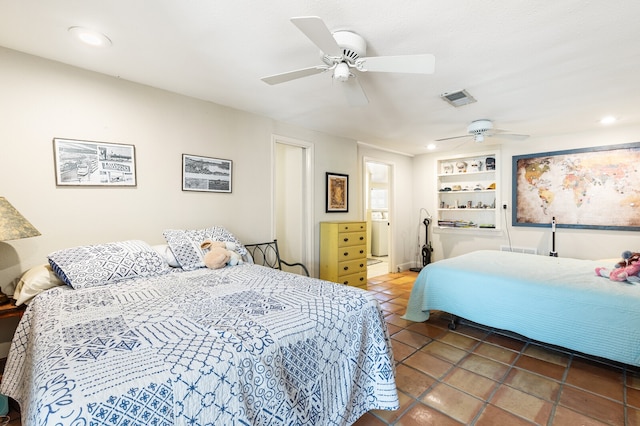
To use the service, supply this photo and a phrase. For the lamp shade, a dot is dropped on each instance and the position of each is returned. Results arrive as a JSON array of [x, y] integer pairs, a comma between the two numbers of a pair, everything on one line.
[[13, 226]]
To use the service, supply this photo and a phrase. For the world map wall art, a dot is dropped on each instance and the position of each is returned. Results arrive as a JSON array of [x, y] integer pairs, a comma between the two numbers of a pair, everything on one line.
[[582, 188]]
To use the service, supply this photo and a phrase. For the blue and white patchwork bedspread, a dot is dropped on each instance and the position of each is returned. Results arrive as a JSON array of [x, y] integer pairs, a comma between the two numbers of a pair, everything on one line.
[[243, 345]]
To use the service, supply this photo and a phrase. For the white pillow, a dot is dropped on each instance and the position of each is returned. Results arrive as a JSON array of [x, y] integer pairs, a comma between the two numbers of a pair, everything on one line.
[[167, 254], [35, 281]]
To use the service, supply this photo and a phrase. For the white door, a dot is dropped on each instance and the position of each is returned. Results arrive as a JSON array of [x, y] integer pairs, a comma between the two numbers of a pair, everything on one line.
[[293, 225]]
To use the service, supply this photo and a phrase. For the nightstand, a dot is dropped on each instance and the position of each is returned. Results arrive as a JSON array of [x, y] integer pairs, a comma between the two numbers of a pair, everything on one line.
[[9, 310]]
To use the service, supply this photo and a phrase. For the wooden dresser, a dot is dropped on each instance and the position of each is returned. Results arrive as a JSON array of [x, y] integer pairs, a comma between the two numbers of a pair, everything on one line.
[[343, 253]]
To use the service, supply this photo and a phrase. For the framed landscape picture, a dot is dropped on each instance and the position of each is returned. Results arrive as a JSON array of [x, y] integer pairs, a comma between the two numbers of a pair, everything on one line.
[[86, 163], [337, 193], [206, 174], [582, 188]]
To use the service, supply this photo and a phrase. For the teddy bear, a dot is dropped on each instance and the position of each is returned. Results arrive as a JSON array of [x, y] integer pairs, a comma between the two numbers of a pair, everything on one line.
[[220, 254], [628, 269]]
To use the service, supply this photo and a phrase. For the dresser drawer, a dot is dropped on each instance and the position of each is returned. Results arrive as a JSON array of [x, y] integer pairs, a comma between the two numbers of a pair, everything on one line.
[[351, 253], [352, 227], [346, 239], [352, 266], [357, 280]]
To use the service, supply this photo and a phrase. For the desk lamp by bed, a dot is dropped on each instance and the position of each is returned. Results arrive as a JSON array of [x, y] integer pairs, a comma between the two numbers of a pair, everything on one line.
[[13, 226]]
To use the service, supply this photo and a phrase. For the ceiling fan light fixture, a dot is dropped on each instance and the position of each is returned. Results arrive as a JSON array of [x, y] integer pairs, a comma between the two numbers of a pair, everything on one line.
[[479, 138], [341, 72]]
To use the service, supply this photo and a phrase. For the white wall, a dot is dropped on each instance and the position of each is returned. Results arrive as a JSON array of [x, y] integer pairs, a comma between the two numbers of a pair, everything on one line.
[[577, 243], [42, 99]]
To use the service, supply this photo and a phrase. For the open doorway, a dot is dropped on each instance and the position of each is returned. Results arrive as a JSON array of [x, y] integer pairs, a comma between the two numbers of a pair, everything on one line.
[[378, 215], [292, 199]]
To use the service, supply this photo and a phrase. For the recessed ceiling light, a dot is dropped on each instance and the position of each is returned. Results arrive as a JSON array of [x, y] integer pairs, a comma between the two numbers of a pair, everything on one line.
[[431, 146], [608, 120], [90, 37]]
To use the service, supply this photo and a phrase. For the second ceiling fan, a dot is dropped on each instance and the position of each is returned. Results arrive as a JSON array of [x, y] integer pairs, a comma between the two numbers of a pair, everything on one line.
[[342, 52], [481, 129]]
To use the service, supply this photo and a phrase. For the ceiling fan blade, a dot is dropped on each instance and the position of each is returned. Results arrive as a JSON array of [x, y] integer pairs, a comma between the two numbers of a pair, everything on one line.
[[292, 75], [454, 137], [316, 30], [354, 92], [416, 64], [506, 135]]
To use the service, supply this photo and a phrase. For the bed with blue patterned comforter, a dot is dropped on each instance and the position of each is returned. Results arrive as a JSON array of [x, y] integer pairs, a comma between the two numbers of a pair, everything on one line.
[[243, 345], [555, 300]]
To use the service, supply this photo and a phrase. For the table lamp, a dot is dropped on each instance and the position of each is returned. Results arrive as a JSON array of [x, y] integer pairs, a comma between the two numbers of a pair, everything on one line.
[[13, 226]]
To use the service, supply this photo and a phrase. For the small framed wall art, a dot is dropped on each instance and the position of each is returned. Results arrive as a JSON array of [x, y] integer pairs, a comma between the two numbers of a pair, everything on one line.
[[87, 163], [206, 174], [337, 193]]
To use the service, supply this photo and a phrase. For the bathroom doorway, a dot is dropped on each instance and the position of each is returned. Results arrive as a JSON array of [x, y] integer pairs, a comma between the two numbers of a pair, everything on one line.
[[378, 201]]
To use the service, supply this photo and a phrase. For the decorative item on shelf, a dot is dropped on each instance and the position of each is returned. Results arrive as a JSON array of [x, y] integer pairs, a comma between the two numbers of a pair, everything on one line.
[[491, 163], [447, 168], [475, 166], [461, 166], [13, 226]]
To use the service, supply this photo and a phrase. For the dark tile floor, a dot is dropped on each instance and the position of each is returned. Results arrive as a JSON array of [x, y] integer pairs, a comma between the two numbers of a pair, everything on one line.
[[479, 376]]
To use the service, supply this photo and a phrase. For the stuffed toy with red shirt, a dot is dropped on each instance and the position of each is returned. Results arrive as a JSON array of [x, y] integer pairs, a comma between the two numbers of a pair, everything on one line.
[[628, 269]]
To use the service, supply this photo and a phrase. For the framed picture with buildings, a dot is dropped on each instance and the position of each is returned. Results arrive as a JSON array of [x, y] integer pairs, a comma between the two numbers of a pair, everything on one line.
[[89, 163], [337, 193], [594, 188], [206, 174]]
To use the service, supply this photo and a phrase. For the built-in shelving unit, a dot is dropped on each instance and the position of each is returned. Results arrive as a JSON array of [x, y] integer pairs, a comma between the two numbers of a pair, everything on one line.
[[467, 196]]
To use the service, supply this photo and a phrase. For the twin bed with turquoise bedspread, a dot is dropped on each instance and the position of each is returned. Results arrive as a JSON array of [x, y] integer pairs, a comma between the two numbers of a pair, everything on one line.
[[555, 300]]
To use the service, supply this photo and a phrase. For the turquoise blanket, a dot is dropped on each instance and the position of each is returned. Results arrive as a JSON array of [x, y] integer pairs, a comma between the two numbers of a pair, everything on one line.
[[550, 299]]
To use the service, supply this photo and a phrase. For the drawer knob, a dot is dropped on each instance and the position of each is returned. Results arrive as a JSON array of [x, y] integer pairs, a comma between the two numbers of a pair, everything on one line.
[[361, 278], [346, 268], [346, 239], [361, 238], [361, 251], [361, 265], [346, 253], [346, 283]]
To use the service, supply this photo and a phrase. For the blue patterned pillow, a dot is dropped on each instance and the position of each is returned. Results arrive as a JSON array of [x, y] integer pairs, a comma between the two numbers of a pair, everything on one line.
[[94, 265], [185, 244]]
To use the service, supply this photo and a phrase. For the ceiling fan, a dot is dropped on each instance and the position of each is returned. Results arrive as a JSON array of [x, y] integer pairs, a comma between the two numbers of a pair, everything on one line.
[[342, 52], [479, 129]]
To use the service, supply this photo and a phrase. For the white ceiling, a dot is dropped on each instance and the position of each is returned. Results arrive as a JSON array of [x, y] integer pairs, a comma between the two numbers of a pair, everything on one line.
[[536, 67]]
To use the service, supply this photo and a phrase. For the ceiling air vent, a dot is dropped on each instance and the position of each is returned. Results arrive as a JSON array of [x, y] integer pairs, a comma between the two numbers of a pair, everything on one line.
[[459, 98]]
